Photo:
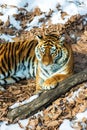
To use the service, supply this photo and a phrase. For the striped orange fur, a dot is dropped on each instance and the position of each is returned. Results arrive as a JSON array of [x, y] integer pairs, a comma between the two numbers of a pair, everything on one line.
[[49, 59], [55, 61]]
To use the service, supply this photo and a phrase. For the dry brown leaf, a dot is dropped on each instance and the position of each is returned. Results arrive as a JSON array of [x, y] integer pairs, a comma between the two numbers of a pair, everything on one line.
[[53, 123]]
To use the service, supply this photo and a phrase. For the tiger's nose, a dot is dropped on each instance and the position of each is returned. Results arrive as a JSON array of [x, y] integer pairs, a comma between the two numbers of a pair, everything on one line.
[[46, 63], [47, 60]]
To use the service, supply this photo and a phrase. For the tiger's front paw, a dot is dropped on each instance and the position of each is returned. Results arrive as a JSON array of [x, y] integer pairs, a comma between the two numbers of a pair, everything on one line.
[[49, 84]]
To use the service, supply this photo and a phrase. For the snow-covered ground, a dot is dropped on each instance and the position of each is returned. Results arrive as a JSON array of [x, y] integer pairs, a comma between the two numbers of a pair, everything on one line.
[[71, 7], [66, 125]]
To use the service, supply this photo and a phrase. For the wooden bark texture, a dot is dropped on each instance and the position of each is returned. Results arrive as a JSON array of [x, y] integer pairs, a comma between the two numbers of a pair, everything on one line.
[[46, 98]]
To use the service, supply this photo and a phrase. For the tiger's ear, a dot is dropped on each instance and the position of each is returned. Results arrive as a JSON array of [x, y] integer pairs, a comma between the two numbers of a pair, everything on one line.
[[61, 40], [39, 38]]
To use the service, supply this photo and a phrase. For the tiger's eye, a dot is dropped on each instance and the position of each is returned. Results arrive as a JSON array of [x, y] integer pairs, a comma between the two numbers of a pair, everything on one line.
[[42, 49], [53, 50]]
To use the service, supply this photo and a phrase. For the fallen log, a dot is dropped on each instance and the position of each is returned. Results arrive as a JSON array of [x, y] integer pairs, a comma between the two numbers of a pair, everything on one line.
[[46, 97]]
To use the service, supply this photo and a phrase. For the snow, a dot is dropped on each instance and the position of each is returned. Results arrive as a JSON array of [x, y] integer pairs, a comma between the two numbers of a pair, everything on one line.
[[24, 102], [79, 116], [65, 125], [7, 11], [17, 3], [35, 22], [74, 96], [15, 23], [46, 5], [56, 18], [68, 125], [6, 37], [71, 7], [10, 127], [24, 123]]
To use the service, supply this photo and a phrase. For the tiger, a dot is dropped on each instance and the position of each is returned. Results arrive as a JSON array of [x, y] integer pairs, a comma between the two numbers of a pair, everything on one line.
[[48, 59]]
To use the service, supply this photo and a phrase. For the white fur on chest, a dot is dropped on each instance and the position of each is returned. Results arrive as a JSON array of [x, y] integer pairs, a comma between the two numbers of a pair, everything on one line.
[[49, 71]]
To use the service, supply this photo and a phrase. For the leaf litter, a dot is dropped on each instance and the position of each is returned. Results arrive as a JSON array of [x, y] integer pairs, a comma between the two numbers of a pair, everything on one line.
[[67, 106]]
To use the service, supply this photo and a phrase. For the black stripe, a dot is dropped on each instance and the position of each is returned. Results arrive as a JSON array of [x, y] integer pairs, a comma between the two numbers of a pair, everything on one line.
[[17, 45], [2, 49], [4, 65], [5, 81], [19, 55], [22, 46], [21, 51], [9, 49], [16, 57], [15, 66], [46, 71], [5, 60], [33, 67], [12, 54], [16, 79], [2, 71], [49, 42], [1, 45], [23, 63], [31, 44], [29, 65]]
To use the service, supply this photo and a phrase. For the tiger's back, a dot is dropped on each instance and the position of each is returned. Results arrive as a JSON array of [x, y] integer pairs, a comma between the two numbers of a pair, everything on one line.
[[17, 61]]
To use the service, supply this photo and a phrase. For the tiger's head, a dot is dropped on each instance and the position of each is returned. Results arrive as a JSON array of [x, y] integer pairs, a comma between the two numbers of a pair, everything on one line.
[[50, 50]]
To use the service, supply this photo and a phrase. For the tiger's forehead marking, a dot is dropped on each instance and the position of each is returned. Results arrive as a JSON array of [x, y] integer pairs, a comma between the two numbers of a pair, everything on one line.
[[48, 43]]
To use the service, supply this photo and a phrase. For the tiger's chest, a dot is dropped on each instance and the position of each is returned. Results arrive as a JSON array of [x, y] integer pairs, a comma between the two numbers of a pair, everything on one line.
[[47, 71]]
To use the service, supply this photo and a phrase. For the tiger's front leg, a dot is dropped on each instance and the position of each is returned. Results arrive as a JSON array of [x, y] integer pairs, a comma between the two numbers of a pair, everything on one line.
[[53, 81], [39, 81]]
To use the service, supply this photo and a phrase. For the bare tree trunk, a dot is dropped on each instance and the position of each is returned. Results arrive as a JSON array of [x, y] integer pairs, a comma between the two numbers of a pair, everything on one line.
[[46, 97]]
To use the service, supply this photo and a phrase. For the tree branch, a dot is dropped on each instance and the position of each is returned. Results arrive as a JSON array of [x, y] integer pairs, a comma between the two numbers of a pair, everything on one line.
[[47, 97]]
